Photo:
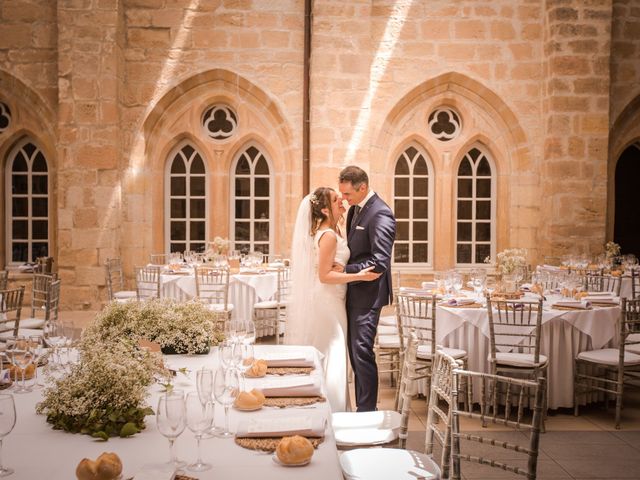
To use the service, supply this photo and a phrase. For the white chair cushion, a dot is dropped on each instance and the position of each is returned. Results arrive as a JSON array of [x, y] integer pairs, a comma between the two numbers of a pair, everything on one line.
[[608, 356], [634, 337], [25, 332], [267, 305], [519, 359], [366, 428], [389, 341], [390, 320], [219, 307], [387, 330], [387, 463], [32, 322], [124, 294], [424, 352]]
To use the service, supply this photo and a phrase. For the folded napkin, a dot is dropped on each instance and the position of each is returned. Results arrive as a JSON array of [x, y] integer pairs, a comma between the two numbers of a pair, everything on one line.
[[428, 285], [575, 304], [156, 472], [459, 302], [311, 424], [302, 386], [601, 294], [289, 359], [526, 287], [416, 291]]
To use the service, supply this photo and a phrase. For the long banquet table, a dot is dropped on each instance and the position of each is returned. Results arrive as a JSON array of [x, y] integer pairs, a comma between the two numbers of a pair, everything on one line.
[[34, 450]]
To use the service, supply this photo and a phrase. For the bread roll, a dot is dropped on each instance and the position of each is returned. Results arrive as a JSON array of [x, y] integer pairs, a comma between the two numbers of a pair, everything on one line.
[[249, 400], [294, 450], [258, 369], [107, 467]]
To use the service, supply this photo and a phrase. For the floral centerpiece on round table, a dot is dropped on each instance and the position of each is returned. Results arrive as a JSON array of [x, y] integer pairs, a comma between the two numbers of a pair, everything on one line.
[[104, 394], [507, 263], [219, 245]]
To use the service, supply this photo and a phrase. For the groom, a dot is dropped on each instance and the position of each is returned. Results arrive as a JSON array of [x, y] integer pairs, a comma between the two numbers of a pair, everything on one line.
[[371, 230]]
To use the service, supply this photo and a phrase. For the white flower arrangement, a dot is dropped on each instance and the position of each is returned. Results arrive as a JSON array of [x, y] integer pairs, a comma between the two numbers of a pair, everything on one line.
[[220, 245], [509, 260], [103, 394], [611, 249]]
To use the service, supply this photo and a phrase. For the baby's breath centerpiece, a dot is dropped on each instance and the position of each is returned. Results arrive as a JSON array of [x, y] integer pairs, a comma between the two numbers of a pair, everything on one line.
[[611, 250], [509, 260], [220, 245], [103, 394]]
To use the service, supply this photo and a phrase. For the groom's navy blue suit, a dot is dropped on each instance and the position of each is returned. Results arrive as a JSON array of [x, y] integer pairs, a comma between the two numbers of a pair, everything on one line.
[[370, 239]]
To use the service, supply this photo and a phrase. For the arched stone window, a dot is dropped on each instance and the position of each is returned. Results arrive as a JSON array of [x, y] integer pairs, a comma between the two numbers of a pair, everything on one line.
[[251, 216], [186, 224], [413, 185], [27, 203], [475, 212]]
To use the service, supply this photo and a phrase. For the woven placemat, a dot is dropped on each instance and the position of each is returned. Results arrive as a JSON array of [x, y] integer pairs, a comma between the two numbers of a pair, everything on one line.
[[269, 444], [289, 370], [283, 402]]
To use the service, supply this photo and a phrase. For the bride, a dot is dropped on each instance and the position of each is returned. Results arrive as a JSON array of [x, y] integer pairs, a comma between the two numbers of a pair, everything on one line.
[[317, 314]]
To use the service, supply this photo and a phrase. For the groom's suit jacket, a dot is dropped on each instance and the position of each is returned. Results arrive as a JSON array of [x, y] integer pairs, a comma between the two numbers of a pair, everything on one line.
[[371, 242]]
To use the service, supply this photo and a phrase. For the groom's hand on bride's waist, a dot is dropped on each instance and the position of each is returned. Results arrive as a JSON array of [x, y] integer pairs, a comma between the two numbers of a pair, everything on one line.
[[338, 267]]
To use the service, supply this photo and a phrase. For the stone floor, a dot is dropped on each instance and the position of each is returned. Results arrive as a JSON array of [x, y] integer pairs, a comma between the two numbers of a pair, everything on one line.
[[578, 448]]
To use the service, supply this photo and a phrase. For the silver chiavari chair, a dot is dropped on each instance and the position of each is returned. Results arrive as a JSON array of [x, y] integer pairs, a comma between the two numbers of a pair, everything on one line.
[[147, 282], [115, 282]]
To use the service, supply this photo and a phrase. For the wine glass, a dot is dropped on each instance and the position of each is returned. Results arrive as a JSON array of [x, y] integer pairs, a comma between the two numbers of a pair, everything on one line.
[[478, 277], [204, 385], [21, 357], [230, 357], [226, 387], [53, 337], [490, 285], [199, 421], [250, 332], [36, 343], [170, 419], [456, 282], [7, 422], [448, 282], [246, 356]]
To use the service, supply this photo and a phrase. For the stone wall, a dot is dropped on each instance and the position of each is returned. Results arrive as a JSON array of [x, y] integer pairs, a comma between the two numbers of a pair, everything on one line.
[[111, 87]]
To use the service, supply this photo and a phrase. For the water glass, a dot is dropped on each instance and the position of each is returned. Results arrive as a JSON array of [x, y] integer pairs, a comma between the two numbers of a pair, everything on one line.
[[7, 422], [199, 421], [204, 385], [36, 344], [171, 420], [230, 356], [226, 386]]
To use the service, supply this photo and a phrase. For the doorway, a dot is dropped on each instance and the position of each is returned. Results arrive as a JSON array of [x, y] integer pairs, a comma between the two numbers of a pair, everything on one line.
[[626, 230]]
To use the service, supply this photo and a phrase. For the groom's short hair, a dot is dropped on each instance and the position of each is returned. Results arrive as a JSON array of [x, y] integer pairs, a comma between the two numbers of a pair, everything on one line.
[[354, 175]]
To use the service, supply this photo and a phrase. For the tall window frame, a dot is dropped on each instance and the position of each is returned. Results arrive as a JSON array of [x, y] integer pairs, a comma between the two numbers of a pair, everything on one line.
[[413, 200], [27, 203], [247, 208], [475, 206], [186, 202]]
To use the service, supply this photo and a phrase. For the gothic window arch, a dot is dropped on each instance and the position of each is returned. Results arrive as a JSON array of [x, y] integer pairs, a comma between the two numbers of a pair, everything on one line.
[[186, 219], [413, 207], [252, 201], [27, 203], [475, 208]]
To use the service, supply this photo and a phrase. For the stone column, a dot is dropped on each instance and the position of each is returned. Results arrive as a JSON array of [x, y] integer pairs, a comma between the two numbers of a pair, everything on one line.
[[576, 125], [89, 147]]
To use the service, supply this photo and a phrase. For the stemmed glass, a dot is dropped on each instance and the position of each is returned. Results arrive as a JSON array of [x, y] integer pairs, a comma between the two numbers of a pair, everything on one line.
[[20, 356], [490, 285], [199, 421], [170, 419], [246, 357], [230, 356], [53, 336], [448, 282], [456, 282], [226, 387], [7, 422], [478, 278], [204, 385], [36, 344]]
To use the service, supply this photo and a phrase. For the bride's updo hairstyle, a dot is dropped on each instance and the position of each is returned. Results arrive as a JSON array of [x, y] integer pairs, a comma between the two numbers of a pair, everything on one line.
[[320, 198]]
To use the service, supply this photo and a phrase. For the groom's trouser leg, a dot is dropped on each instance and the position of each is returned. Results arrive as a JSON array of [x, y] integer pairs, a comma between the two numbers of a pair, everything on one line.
[[363, 324]]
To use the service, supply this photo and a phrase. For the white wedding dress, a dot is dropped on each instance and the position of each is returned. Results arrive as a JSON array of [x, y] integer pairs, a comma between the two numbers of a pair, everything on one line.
[[327, 320]]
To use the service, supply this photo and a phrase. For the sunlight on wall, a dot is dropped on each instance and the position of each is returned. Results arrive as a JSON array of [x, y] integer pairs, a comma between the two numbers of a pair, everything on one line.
[[378, 68]]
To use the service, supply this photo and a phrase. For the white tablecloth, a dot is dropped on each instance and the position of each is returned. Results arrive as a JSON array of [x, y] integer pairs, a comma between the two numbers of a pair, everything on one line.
[[244, 290], [37, 451], [564, 335]]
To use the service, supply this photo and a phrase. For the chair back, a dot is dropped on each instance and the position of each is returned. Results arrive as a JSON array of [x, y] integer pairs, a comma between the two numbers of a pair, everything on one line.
[[416, 312], [503, 401], [114, 277], [45, 297], [4, 279], [10, 310], [635, 283], [602, 283], [284, 286], [629, 325], [212, 286], [514, 326], [159, 259], [147, 282], [440, 408]]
